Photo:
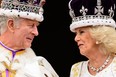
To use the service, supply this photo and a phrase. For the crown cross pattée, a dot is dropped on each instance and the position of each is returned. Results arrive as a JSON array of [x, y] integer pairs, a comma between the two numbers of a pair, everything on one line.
[[111, 12], [83, 11], [99, 9]]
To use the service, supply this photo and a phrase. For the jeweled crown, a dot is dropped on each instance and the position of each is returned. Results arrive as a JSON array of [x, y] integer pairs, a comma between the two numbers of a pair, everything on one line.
[[91, 12], [31, 9]]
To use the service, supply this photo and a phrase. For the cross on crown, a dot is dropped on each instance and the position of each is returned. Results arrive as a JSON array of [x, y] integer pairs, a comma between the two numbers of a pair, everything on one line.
[[99, 9]]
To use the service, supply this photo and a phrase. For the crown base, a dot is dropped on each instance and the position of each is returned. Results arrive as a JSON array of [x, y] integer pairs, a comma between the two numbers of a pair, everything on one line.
[[92, 22], [16, 13]]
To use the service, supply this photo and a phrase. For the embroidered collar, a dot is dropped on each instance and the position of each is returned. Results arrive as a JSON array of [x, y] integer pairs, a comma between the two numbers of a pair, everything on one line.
[[10, 49]]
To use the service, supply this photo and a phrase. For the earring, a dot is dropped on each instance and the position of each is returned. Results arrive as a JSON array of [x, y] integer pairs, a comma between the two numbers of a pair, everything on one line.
[[97, 42]]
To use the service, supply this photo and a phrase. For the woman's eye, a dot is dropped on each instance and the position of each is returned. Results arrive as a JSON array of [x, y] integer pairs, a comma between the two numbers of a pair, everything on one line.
[[81, 32]]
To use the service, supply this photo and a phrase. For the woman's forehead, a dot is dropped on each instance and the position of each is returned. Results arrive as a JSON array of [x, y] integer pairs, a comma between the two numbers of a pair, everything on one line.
[[83, 28]]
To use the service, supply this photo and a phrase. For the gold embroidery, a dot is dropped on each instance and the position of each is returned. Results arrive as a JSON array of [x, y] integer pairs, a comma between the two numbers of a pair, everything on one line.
[[75, 70], [9, 68]]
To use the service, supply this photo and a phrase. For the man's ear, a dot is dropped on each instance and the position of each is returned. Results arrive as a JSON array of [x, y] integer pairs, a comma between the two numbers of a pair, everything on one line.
[[10, 25]]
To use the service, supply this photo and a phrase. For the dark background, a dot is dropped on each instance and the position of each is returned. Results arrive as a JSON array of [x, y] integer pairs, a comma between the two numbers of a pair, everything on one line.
[[55, 41]]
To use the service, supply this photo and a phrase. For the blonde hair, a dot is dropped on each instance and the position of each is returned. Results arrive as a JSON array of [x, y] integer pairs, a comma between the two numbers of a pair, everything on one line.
[[106, 36]]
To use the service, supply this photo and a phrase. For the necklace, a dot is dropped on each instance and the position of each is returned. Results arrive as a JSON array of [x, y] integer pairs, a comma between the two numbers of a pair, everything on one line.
[[100, 68]]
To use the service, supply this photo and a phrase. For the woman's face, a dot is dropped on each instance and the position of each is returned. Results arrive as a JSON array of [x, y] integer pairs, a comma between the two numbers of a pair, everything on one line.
[[84, 40]]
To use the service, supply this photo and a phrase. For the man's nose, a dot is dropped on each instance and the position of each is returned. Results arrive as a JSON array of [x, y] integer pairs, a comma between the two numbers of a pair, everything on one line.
[[35, 31]]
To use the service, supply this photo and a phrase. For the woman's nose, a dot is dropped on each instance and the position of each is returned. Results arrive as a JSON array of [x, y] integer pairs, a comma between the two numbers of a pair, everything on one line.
[[77, 38]]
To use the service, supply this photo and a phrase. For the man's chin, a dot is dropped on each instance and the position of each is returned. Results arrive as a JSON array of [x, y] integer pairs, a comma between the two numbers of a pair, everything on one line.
[[27, 45]]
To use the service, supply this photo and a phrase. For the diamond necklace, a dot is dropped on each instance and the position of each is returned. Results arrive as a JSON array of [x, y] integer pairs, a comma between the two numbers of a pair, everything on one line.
[[100, 68]]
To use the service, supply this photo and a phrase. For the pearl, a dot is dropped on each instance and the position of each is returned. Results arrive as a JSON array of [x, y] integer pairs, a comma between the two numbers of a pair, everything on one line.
[[100, 68]]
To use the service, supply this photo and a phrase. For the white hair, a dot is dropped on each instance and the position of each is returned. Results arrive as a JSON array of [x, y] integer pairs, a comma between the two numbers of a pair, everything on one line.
[[3, 22]]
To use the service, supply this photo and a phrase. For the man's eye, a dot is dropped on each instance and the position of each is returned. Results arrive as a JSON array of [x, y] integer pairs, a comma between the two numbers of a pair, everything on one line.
[[31, 26]]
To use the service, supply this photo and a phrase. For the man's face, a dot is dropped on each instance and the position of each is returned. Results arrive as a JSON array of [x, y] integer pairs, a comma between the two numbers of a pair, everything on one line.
[[24, 34]]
